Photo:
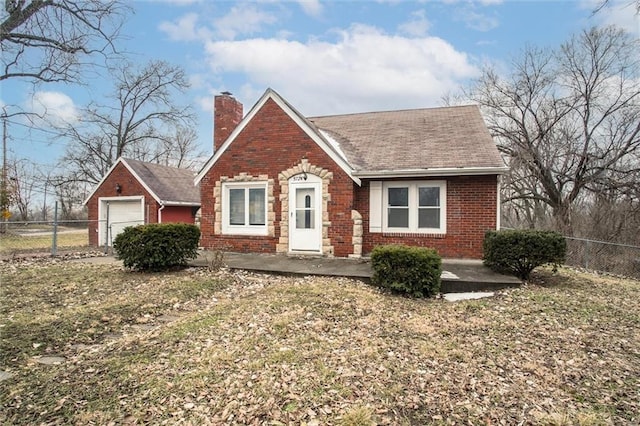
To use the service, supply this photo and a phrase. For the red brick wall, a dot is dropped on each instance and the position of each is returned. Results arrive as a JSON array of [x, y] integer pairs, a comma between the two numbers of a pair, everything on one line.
[[177, 214], [130, 187], [471, 211], [269, 144], [227, 114]]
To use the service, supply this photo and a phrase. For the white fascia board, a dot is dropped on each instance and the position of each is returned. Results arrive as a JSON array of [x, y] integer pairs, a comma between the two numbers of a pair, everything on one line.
[[334, 143], [123, 198], [243, 123], [318, 139], [143, 183], [106, 175], [455, 171], [271, 94], [135, 175], [179, 203]]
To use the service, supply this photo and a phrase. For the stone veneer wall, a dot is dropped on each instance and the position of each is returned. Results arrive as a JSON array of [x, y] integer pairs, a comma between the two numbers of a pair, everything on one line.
[[283, 177], [357, 234]]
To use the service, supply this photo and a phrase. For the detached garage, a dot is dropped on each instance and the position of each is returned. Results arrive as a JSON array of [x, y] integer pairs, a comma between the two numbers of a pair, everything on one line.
[[134, 192]]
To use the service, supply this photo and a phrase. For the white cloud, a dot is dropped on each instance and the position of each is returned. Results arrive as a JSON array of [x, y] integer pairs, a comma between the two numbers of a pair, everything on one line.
[[311, 7], [177, 2], [480, 2], [476, 20], [365, 69], [621, 13], [242, 19], [54, 108], [184, 29], [417, 26]]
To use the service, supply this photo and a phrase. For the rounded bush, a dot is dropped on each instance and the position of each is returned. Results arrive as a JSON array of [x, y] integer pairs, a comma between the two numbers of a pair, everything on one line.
[[157, 247], [518, 252], [410, 270]]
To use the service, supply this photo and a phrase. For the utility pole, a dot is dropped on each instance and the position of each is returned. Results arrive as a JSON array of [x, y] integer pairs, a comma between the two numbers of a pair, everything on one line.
[[4, 153], [3, 189]]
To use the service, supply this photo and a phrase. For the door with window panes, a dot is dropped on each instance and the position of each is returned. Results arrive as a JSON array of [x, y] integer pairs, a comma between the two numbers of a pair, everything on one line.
[[305, 214]]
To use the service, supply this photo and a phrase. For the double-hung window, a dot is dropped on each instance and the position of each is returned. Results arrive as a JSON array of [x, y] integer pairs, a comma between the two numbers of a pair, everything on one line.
[[244, 208], [416, 207]]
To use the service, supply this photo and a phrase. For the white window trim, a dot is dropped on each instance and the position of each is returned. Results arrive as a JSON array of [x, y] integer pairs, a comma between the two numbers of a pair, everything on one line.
[[413, 206], [228, 229]]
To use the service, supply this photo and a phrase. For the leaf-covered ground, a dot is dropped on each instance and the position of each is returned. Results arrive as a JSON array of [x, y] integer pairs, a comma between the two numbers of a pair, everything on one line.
[[201, 347]]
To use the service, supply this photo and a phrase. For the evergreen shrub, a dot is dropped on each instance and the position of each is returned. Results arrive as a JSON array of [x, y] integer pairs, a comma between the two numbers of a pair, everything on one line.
[[518, 252], [157, 246], [414, 271]]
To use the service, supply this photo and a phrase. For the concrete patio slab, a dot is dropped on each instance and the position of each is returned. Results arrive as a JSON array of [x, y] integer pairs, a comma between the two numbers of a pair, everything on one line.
[[459, 275], [456, 297]]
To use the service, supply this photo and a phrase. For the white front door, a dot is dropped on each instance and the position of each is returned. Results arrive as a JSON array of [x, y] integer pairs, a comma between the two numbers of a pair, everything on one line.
[[305, 214]]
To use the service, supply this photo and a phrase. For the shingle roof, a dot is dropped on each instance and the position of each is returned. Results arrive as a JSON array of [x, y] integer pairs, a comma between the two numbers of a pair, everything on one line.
[[169, 184], [418, 142], [449, 137]]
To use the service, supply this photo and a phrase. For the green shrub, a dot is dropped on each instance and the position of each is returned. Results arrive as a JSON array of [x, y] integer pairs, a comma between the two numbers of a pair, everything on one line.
[[157, 247], [411, 270], [519, 252]]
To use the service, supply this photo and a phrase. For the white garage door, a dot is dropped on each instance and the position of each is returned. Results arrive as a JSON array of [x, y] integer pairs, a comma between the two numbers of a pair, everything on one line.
[[117, 215]]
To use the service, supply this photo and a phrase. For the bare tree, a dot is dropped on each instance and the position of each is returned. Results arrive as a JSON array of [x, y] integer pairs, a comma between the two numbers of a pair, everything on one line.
[[52, 40], [568, 120], [182, 150], [70, 192], [608, 3], [23, 175], [140, 123]]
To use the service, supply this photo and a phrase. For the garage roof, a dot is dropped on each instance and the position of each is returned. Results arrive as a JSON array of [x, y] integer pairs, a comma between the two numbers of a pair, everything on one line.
[[168, 185]]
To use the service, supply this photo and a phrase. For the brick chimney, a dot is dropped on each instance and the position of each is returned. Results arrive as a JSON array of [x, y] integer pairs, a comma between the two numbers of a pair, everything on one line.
[[227, 114]]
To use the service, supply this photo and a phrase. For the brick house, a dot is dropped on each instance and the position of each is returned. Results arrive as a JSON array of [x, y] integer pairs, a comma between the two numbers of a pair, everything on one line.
[[280, 182], [135, 192]]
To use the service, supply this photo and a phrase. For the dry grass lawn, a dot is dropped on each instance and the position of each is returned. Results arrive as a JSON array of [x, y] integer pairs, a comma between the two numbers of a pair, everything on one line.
[[200, 347], [15, 243]]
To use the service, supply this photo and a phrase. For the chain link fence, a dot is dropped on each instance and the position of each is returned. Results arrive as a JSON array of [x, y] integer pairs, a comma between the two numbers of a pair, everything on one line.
[[43, 237], [622, 259], [50, 237], [602, 256]]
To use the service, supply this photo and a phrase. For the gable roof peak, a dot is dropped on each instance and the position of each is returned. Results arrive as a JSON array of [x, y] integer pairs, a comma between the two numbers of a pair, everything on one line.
[[168, 185], [299, 119]]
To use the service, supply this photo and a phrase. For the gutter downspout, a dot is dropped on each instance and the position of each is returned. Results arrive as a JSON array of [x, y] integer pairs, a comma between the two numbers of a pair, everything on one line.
[[160, 213], [498, 203]]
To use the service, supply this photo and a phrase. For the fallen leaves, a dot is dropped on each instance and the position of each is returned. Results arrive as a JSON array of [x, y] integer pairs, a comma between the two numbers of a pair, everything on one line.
[[203, 347]]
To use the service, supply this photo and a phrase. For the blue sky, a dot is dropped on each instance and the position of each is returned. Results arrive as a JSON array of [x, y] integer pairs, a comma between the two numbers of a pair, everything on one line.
[[325, 57]]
